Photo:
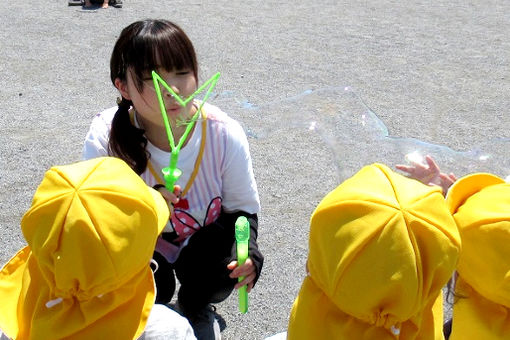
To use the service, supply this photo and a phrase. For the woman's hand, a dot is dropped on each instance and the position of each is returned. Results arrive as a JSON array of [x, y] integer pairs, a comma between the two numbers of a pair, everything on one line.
[[171, 198], [247, 270], [428, 174]]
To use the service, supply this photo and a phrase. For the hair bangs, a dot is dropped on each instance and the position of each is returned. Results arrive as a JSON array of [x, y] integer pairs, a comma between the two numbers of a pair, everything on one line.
[[175, 53], [161, 46]]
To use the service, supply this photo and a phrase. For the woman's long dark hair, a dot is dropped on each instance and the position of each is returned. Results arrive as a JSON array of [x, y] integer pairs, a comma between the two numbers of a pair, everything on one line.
[[142, 47]]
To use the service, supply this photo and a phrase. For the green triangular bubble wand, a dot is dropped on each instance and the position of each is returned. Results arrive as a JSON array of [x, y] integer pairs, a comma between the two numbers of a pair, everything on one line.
[[171, 173]]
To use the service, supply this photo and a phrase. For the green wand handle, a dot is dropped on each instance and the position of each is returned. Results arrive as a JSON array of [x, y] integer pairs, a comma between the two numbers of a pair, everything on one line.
[[242, 237], [171, 173]]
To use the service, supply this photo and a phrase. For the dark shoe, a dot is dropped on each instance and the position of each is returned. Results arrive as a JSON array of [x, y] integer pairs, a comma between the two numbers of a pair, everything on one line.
[[204, 324], [75, 3]]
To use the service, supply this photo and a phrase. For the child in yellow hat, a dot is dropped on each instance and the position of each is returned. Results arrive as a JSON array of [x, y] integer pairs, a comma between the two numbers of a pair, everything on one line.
[[91, 232], [480, 204], [381, 247]]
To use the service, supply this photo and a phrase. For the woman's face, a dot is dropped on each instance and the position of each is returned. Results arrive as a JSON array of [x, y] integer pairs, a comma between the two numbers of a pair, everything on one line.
[[146, 103]]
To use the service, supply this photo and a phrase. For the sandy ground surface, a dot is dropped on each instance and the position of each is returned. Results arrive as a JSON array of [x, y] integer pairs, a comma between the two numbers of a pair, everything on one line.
[[435, 77]]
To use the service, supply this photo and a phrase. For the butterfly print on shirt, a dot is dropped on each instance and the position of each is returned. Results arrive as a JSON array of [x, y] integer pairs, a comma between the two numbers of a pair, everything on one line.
[[185, 225]]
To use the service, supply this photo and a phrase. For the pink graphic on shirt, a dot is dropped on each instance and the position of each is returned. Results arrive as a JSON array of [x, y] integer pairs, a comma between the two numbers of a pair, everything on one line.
[[186, 225]]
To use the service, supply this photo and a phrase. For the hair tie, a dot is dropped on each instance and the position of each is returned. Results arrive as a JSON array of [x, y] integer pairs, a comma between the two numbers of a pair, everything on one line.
[[123, 103]]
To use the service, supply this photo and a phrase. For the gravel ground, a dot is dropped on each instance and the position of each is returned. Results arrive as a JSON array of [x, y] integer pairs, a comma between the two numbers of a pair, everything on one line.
[[428, 78]]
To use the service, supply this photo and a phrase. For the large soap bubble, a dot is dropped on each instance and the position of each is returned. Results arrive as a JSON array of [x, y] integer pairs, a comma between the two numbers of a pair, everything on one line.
[[356, 136]]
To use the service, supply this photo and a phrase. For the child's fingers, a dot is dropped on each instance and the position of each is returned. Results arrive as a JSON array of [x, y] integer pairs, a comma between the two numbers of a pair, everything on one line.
[[413, 170], [448, 179], [432, 165], [403, 167], [453, 177]]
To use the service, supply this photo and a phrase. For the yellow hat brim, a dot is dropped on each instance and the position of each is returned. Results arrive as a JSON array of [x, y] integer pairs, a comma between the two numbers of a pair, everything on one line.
[[11, 283], [476, 317], [128, 308], [467, 186], [163, 211], [314, 316]]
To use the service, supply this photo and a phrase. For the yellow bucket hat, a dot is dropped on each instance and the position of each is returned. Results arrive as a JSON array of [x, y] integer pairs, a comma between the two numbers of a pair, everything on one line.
[[480, 204], [381, 247], [91, 232]]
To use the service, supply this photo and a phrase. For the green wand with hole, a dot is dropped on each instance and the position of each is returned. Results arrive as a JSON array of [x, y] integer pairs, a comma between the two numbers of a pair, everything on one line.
[[171, 173], [242, 239]]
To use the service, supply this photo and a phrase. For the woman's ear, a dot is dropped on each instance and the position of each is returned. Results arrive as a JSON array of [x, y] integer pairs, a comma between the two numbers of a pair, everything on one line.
[[121, 85]]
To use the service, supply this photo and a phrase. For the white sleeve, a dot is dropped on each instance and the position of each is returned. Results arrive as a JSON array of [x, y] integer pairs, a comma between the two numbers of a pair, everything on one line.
[[96, 141], [239, 186], [166, 324]]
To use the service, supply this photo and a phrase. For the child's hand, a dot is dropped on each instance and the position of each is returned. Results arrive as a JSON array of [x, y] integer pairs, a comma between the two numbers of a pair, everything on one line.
[[171, 198], [428, 174], [247, 270]]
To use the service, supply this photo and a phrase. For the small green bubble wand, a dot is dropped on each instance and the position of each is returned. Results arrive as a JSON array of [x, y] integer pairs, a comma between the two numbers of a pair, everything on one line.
[[242, 238], [171, 173]]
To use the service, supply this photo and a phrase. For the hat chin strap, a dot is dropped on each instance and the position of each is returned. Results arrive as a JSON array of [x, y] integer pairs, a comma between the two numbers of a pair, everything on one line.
[[156, 265]]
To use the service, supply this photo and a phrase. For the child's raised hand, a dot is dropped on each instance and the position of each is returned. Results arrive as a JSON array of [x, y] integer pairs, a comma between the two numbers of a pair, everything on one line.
[[425, 173], [428, 174], [247, 270]]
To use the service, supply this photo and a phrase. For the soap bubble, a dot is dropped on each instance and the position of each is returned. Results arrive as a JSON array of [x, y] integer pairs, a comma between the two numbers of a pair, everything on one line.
[[356, 136]]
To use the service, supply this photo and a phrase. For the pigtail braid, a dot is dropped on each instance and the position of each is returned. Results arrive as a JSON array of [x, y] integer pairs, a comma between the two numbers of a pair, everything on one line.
[[126, 140]]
